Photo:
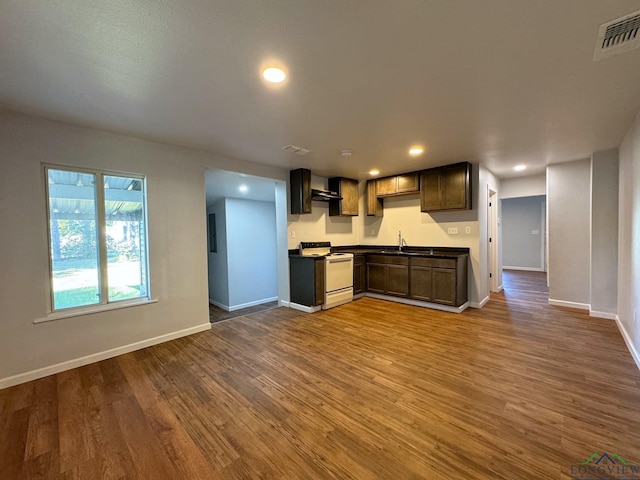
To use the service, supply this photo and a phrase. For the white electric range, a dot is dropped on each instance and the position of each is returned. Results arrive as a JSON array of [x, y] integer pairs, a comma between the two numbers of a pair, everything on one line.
[[338, 273]]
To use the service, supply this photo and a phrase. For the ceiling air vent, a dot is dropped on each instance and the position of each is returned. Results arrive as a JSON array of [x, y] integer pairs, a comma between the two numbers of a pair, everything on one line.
[[618, 36], [295, 149]]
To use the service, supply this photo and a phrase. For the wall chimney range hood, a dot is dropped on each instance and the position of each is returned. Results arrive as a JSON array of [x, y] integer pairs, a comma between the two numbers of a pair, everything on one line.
[[324, 195]]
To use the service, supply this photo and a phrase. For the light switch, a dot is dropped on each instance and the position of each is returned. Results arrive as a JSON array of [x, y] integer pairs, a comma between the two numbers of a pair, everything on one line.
[[452, 231], [293, 234], [467, 230]]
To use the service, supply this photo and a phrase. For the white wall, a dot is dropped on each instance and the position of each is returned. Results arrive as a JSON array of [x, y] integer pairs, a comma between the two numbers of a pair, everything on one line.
[[218, 264], [568, 209], [177, 245], [251, 252], [523, 233], [528, 186], [604, 232], [629, 238]]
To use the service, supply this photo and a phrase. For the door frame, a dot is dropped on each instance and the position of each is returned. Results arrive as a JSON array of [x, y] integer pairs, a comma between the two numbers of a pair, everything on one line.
[[493, 240]]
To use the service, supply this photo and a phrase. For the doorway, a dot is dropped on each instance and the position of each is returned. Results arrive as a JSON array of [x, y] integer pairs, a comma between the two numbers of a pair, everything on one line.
[[246, 242], [493, 241]]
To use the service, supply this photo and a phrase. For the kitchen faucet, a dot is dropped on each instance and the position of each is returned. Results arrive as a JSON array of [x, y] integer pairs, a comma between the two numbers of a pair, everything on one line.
[[399, 240]]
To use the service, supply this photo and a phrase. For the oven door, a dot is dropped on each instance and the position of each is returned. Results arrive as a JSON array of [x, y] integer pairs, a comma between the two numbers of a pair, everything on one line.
[[338, 273]]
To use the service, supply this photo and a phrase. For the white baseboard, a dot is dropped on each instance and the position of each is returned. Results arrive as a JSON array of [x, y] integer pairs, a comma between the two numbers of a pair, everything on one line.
[[304, 308], [524, 269], [606, 315], [219, 305], [418, 303], [500, 288], [283, 303], [627, 339], [96, 357], [563, 303], [479, 304], [252, 304]]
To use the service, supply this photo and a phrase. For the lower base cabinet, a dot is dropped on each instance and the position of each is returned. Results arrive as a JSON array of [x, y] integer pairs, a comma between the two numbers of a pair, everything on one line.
[[306, 276], [388, 275], [359, 274], [428, 279]]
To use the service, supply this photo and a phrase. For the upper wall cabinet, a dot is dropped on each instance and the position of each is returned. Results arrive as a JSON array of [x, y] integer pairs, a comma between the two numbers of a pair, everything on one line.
[[300, 187], [374, 203], [446, 188], [398, 185], [347, 188]]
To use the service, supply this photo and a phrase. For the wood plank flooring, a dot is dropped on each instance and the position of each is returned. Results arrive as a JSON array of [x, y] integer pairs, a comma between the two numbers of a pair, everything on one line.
[[217, 314], [368, 390]]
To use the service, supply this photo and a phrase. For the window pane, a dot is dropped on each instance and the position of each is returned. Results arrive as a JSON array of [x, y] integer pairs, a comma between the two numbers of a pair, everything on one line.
[[73, 238], [126, 237]]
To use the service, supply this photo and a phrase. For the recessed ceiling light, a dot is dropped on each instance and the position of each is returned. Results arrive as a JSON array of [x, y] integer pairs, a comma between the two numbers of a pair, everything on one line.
[[346, 153], [243, 188], [519, 168], [374, 172], [274, 75], [415, 151]]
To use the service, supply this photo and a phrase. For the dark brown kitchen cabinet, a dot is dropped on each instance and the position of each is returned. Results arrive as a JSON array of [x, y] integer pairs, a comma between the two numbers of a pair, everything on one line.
[[446, 188], [347, 188], [439, 280], [398, 185], [374, 203], [359, 274], [306, 275], [388, 275], [300, 189]]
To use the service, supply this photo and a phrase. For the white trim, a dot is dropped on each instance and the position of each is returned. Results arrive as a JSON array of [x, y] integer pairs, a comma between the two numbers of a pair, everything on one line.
[[480, 304], [419, 303], [283, 303], [96, 357], [563, 303], [60, 314], [500, 288], [524, 269], [606, 315], [304, 308], [627, 339], [252, 304]]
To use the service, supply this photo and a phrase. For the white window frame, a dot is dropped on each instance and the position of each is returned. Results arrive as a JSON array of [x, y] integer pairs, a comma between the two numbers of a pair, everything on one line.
[[101, 241]]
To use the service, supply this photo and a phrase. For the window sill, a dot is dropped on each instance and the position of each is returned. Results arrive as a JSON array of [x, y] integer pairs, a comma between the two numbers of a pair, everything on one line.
[[95, 309]]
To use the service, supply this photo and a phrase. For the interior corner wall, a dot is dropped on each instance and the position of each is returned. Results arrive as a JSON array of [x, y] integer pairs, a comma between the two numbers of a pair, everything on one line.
[[218, 264], [523, 233], [629, 237], [252, 264], [569, 220], [604, 232]]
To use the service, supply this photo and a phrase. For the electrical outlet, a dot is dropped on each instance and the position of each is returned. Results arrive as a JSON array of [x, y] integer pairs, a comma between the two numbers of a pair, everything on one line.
[[452, 231], [467, 230], [293, 234]]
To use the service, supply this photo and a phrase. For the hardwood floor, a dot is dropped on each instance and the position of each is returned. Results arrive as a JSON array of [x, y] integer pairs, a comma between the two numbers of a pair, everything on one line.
[[368, 390], [217, 314]]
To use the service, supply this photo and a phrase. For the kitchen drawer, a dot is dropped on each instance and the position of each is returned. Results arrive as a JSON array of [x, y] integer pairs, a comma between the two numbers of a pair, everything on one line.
[[388, 259], [433, 262]]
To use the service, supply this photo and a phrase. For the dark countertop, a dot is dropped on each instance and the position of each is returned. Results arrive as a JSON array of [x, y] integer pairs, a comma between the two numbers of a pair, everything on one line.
[[408, 251]]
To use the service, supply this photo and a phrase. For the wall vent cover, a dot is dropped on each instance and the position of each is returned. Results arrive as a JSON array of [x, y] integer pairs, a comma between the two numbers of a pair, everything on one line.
[[618, 36], [295, 149]]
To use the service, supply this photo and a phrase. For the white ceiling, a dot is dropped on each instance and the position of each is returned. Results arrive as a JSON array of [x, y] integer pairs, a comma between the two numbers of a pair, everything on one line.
[[223, 184], [499, 82]]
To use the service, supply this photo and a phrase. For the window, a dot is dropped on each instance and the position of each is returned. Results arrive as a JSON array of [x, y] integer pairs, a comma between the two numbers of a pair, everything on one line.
[[97, 237]]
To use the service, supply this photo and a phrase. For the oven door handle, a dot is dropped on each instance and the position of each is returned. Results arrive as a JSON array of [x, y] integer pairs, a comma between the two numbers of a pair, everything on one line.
[[335, 260]]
